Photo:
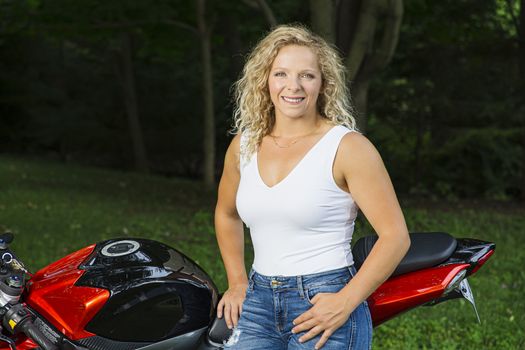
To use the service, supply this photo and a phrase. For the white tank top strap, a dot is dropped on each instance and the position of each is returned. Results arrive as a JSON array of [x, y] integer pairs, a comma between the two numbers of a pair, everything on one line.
[[326, 152]]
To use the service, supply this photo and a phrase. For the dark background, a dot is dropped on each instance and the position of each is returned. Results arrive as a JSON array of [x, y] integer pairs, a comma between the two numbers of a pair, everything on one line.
[[122, 84]]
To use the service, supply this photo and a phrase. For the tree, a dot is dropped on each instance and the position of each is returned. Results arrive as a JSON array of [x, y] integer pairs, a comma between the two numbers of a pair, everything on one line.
[[354, 26], [521, 87], [204, 30], [263, 6], [129, 90], [104, 25], [323, 18]]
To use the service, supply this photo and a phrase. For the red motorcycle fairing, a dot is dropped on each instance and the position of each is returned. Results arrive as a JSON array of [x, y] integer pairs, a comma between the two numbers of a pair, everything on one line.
[[52, 293], [407, 291], [120, 293]]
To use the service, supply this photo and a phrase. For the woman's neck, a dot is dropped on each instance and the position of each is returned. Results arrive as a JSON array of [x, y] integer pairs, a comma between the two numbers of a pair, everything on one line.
[[288, 127]]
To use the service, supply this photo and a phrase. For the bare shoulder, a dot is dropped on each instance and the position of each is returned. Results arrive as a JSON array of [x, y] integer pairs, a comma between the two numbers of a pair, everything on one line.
[[356, 158], [236, 141], [356, 149], [232, 157]]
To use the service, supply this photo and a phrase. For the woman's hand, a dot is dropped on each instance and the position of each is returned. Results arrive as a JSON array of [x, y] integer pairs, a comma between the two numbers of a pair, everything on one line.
[[329, 312], [231, 302]]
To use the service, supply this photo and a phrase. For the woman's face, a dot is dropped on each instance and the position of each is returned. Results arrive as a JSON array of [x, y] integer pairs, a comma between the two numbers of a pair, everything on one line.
[[295, 82]]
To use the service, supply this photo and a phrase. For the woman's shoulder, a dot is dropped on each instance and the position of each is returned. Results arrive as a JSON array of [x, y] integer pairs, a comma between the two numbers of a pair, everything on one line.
[[233, 152], [235, 145], [356, 148]]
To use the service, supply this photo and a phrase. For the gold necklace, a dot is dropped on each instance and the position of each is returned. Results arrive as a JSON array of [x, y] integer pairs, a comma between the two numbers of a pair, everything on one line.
[[293, 142]]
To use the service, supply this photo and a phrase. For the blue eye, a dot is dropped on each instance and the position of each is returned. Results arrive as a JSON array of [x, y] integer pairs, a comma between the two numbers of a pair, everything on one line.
[[307, 76]]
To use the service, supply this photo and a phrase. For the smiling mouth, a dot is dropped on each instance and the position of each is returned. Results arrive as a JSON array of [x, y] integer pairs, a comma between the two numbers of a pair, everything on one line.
[[293, 99]]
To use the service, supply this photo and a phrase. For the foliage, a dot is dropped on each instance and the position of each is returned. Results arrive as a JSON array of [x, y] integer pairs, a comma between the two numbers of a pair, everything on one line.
[[53, 210], [446, 114], [442, 114]]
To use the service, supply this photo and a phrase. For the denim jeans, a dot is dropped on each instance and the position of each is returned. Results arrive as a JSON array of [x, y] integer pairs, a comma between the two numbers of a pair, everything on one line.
[[272, 303]]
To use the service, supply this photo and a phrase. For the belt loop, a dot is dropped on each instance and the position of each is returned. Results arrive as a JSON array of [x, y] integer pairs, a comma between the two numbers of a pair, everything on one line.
[[352, 271], [251, 279], [300, 286]]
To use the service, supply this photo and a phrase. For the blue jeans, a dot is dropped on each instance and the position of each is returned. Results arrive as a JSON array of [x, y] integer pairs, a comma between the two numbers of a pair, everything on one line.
[[272, 303]]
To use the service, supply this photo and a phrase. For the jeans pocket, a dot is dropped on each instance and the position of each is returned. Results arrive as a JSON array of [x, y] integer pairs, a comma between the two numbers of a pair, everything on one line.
[[310, 293]]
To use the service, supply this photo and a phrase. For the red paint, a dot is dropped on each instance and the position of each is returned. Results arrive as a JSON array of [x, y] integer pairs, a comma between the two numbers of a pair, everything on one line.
[[52, 293], [404, 292]]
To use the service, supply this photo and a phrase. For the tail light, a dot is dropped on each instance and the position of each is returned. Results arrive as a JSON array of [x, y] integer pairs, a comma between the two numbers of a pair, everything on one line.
[[456, 281], [481, 261]]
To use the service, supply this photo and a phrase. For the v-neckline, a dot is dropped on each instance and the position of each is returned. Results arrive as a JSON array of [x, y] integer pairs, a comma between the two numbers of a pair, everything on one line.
[[295, 166]]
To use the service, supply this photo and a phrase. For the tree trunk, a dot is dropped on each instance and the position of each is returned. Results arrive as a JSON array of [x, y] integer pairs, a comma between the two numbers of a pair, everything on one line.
[[363, 37], [207, 86], [521, 35], [356, 30], [347, 14], [322, 17], [234, 44], [130, 101], [359, 92], [268, 13], [521, 84]]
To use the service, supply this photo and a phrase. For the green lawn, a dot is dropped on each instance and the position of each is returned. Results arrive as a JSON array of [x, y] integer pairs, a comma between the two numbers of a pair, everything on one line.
[[55, 209]]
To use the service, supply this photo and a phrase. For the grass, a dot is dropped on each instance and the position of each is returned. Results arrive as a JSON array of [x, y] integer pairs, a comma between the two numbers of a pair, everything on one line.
[[55, 209]]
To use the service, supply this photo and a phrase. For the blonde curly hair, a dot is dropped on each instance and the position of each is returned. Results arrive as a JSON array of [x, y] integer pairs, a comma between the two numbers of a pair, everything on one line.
[[254, 110]]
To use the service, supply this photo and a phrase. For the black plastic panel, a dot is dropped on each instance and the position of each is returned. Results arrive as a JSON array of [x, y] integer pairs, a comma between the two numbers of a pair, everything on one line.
[[99, 343], [156, 292], [427, 249], [469, 251]]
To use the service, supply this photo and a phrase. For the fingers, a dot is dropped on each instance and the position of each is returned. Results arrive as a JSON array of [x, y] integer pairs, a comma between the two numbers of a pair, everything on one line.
[[230, 306], [311, 334], [326, 334], [220, 306], [227, 315], [232, 313], [316, 297], [235, 315], [305, 316], [304, 326]]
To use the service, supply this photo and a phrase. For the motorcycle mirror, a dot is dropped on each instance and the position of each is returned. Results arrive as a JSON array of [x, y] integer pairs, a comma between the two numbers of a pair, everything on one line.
[[5, 239]]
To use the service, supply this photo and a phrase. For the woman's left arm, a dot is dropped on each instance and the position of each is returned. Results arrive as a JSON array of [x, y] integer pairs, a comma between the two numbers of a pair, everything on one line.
[[362, 168]]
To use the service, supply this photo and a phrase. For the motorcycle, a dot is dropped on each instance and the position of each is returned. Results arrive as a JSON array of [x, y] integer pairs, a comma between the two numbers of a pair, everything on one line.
[[126, 294]]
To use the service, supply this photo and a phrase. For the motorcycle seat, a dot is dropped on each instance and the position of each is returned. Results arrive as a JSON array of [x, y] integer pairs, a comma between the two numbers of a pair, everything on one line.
[[427, 249], [219, 332]]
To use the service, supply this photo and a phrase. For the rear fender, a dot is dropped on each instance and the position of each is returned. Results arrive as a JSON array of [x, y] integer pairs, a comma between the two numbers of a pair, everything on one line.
[[405, 292]]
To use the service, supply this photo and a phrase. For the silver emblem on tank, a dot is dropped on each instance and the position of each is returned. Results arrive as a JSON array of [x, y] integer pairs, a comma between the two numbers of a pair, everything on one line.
[[120, 248]]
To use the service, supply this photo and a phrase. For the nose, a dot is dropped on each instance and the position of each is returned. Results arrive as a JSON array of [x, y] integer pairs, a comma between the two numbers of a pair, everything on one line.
[[293, 84]]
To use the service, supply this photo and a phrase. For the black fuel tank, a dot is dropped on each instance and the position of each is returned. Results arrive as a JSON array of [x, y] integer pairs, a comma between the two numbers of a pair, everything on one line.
[[156, 291]]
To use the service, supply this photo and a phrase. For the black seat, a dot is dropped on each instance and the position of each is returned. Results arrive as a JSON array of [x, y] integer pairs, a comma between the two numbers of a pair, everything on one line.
[[219, 331], [427, 249]]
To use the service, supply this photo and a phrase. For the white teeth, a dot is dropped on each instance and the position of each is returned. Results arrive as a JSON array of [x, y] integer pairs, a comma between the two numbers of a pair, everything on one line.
[[293, 100]]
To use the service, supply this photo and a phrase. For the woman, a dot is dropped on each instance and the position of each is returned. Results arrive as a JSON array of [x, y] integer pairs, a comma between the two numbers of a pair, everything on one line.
[[295, 173]]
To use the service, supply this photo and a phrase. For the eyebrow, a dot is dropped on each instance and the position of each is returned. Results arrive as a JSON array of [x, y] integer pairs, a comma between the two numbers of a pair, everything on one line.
[[304, 70]]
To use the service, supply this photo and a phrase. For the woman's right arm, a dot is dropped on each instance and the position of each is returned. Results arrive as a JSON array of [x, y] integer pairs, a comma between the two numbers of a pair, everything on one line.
[[230, 236]]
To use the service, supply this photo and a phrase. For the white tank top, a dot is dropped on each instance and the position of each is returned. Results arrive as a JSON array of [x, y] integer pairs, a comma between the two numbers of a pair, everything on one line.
[[304, 223]]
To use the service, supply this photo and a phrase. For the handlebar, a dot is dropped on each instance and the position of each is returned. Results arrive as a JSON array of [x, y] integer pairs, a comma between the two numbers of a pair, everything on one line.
[[18, 319], [29, 329]]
